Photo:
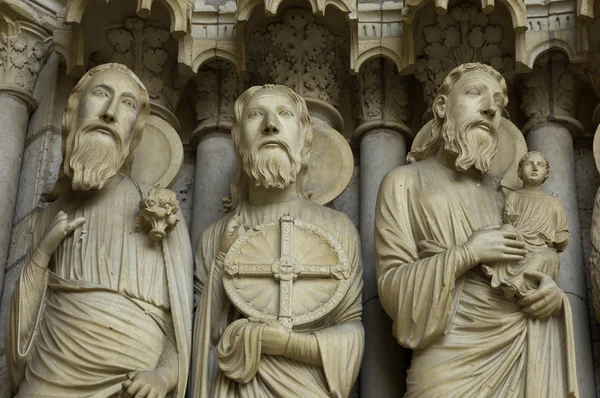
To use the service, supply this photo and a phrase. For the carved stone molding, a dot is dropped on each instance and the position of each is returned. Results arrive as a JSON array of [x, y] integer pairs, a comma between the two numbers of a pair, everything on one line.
[[217, 88], [179, 13], [70, 35], [24, 48], [383, 98], [212, 38], [516, 8], [301, 53], [550, 25], [246, 7], [148, 50], [551, 93], [379, 31], [464, 34]]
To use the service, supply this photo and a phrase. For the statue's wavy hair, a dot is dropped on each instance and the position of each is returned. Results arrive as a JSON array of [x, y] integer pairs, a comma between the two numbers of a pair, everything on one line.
[[431, 144], [240, 184], [69, 117]]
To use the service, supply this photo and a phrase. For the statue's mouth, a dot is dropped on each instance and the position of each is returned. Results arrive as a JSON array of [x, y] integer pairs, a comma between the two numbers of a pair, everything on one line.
[[271, 144]]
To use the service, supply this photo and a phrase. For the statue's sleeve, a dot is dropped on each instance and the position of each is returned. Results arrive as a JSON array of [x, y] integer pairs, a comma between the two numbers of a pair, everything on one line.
[[341, 345], [26, 306], [415, 292], [561, 236]]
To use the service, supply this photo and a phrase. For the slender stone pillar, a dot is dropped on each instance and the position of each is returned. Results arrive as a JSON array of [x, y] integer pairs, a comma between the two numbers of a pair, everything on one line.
[[215, 169], [384, 114], [381, 150], [556, 143], [217, 88], [24, 53], [14, 116]]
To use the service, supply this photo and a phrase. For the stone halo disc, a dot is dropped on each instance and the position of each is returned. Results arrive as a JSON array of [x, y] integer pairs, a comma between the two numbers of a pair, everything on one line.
[[330, 165], [597, 146], [511, 147], [159, 156]]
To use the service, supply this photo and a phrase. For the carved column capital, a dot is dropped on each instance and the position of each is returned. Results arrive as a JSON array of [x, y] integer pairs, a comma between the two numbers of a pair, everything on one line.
[[217, 87], [551, 93], [24, 48], [383, 99]]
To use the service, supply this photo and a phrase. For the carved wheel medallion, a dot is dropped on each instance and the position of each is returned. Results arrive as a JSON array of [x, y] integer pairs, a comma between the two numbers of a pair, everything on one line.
[[286, 270]]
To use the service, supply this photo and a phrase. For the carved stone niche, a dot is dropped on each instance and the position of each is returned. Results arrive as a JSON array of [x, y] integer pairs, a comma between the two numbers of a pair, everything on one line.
[[464, 34], [300, 51], [148, 49], [383, 98], [552, 92], [78, 23], [217, 86], [24, 47]]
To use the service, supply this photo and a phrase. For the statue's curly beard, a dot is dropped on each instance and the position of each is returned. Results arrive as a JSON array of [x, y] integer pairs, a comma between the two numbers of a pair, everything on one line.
[[271, 167], [92, 158], [473, 149]]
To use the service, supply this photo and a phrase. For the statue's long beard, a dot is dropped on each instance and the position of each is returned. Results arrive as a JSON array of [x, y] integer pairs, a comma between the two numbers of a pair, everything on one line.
[[271, 167], [91, 160], [472, 149]]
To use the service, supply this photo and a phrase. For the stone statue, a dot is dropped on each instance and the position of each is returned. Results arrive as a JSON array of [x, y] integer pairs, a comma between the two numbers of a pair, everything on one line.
[[279, 277], [540, 222], [437, 220], [101, 309]]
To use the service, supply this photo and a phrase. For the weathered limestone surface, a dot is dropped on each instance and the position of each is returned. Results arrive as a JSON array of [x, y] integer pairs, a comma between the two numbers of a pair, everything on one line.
[[363, 67]]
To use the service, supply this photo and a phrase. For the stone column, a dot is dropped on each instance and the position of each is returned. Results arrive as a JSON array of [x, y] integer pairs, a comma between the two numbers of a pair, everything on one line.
[[549, 100], [22, 56], [383, 117], [217, 89]]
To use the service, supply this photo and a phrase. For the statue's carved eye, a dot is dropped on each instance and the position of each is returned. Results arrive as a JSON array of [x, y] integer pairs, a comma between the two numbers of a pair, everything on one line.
[[474, 91], [286, 112], [100, 92], [129, 103], [255, 113]]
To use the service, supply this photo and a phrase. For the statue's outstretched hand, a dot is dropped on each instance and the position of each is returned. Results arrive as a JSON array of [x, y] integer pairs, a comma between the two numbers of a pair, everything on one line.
[[545, 300], [146, 384], [495, 243], [58, 229]]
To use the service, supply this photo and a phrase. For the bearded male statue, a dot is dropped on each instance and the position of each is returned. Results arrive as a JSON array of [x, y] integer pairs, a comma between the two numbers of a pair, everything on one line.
[[100, 310], [277, 320], [437, 221]]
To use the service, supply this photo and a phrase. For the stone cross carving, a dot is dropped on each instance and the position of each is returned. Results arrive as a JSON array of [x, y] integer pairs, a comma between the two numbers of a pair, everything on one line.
[[285, 269]]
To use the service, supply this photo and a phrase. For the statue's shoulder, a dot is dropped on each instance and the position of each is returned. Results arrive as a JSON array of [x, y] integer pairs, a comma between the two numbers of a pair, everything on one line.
[[331, 217], [405, 176]]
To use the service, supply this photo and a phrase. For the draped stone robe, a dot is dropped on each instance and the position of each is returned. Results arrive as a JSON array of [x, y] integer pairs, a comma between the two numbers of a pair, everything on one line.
[[111, 302], [468, 340], [340, 334]]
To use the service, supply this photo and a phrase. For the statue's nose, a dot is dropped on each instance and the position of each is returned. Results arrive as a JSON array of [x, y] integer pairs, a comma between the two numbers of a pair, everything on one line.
[[270, 129]]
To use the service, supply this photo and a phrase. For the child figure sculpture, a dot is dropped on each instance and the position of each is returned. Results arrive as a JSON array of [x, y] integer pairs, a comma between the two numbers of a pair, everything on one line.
[[541, 223]]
